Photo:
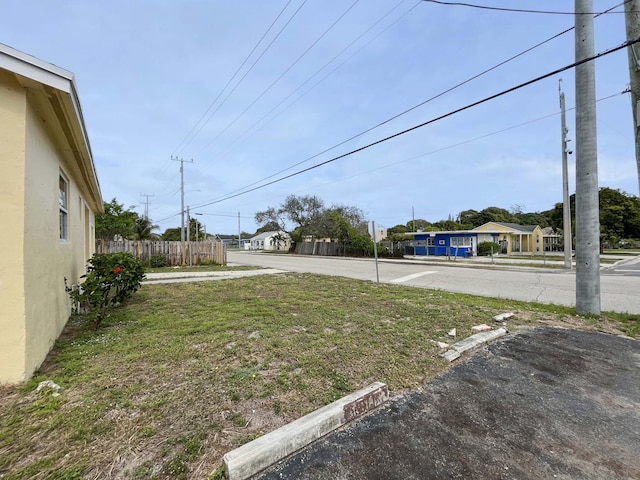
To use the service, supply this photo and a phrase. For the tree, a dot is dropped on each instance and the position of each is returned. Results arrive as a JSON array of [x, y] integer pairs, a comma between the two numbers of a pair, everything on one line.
[[398, 229], [143, 229], [619, 215], [471, 217], [195, 230], [297, 216], [267, 227], [417, 225], [171, 235], [116, 221]]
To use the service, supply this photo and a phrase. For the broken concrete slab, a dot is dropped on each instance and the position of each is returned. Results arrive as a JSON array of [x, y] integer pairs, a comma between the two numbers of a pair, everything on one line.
[[481, 328], [472, 342], [503, 316]]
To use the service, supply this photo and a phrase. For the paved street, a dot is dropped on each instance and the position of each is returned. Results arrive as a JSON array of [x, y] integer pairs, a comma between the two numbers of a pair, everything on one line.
[[546, 403], [619, 292]]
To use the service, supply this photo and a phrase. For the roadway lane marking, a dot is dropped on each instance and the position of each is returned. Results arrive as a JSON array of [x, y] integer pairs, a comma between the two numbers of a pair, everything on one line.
[[413, 276]]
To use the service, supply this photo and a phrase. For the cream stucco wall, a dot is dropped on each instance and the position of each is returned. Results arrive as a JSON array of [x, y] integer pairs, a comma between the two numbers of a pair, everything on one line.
[[12, 195], [35, 306], [50, 260]]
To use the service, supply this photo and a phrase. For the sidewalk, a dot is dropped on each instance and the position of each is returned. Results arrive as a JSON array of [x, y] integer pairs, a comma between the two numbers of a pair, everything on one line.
[[553, 262], [177, 277]]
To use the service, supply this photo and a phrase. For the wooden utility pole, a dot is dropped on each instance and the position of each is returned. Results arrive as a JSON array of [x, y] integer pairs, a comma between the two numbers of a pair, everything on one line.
[[632, 22], [587, 209], [566, 203]]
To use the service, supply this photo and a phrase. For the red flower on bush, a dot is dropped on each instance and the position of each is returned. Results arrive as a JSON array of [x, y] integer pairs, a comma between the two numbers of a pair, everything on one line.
[[116, 270]]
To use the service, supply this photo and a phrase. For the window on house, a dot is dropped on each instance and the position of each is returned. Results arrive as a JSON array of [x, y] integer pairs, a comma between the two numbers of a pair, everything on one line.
[[430, 241], [460, 241], [63, 201]]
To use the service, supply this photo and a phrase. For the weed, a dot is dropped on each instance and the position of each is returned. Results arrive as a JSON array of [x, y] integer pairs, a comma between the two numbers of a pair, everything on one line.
[[166, 368]]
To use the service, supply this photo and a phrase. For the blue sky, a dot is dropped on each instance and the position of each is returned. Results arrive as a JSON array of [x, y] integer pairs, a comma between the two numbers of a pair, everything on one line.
[[147, 71]]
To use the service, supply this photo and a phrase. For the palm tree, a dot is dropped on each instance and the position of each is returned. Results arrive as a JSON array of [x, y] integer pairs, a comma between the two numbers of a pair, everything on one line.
[[143, 228]]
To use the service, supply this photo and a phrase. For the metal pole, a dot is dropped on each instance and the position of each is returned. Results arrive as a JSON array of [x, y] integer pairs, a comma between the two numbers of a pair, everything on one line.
[[632, 23], [375, 250], [239, 234], [566, 203], [181, 205], [587, 209]]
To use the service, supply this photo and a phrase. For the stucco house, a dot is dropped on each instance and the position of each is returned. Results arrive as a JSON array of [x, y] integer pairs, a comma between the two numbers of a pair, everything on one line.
[[275, 241], [49, 193], [512, 237]]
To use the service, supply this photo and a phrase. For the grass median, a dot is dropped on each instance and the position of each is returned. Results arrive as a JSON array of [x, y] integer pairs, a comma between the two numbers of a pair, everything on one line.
[[186, 372]]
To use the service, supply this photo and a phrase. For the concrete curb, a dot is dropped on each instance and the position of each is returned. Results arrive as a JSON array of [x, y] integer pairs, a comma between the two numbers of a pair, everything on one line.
[[473, 341], [249, 459]]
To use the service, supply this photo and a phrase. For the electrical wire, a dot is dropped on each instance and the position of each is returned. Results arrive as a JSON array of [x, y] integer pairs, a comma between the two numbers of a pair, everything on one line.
[[515, 10], [422, 103], [464, 142], [244, 134], [433, 120], [415, 157], [279, 78], [202, 125], [255, 47]]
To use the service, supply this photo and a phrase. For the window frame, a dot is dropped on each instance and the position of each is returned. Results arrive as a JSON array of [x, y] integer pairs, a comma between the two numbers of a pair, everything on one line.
[[460, 242], [63, 207]]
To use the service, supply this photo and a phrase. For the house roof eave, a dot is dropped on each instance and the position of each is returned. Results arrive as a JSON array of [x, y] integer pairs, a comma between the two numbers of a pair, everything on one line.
[[57, 87]]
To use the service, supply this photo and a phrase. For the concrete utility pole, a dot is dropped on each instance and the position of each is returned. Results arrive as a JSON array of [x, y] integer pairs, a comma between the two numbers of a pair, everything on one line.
[[182, 204], [146, 205], [587, 209], [632, 22], [566, 203], [239, 233]]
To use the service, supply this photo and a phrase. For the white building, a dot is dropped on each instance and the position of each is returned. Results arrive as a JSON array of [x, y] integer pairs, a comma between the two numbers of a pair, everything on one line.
[[274, 241]]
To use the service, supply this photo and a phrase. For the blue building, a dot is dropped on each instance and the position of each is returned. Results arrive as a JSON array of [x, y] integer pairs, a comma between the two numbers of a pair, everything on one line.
[[456, 243]]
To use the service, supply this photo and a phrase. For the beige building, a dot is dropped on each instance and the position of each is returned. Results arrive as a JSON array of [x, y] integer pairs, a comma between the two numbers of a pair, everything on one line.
[[48, 195], [512, 237]]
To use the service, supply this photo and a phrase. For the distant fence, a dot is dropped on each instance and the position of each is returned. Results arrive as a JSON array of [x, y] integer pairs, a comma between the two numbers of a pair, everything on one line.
[[195, 252]]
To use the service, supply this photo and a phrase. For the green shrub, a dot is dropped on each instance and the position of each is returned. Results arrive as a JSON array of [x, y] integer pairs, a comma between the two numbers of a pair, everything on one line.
[[111, 278], [486, 248], [158, 260]]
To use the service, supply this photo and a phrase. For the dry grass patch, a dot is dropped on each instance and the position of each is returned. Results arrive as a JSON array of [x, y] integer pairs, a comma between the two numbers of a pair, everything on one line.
[[186, 372]]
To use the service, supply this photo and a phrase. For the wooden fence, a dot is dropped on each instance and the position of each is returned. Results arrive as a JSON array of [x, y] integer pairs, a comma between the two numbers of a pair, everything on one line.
[[195, 253]]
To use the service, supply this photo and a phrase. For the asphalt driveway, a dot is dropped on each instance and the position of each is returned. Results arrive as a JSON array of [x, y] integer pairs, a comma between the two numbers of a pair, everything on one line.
[[546, 403]]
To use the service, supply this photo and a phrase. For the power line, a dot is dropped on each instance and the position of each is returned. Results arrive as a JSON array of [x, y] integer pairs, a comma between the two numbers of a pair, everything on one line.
[[224, 100], [421, 103], [326, 76], [236, 73], [448, 147], [516, 10], [433, 120], [279, 78], [474, 139]]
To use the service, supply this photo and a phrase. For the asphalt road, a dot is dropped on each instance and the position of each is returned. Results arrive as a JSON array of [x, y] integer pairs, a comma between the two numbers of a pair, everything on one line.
[[618, 292], [546, 403]]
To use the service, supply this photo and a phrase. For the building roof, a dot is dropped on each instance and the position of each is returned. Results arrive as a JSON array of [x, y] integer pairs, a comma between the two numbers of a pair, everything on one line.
[[442, 232], [265, 235], [511, 227], [54, 91]]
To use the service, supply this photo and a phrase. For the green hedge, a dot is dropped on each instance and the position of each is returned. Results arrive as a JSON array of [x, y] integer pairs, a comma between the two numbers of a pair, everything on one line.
[[486, 248]]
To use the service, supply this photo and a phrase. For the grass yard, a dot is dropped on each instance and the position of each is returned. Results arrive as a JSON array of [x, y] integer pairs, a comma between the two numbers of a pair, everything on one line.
[[186, 372]]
